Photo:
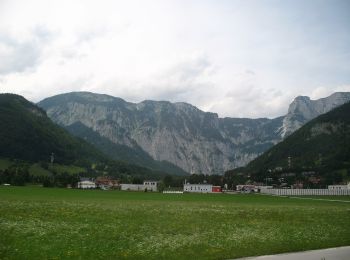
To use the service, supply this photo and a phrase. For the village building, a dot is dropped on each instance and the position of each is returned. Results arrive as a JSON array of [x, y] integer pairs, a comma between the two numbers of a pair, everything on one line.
[[150, 185], [86, 184], [339, 187], [198, 188], [146, 186], [216, 189], [131, 187], [202, 188], [246, 188], [106, 183]]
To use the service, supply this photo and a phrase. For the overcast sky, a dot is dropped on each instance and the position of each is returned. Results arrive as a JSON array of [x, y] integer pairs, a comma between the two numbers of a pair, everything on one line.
[[235, 58]]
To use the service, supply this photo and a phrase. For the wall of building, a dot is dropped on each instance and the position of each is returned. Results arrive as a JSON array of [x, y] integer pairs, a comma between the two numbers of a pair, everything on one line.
[[216, 189], [150, 186], [338, 187], [198, 188], [86, 185], [132, 187]]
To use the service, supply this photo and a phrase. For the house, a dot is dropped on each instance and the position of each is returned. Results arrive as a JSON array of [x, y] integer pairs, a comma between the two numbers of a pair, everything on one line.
[[86, 184], [150, 185], [198, 188], [106, 183], [146, 186]]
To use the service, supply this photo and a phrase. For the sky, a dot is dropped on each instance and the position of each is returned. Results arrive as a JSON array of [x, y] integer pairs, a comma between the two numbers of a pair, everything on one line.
[[235, 58]]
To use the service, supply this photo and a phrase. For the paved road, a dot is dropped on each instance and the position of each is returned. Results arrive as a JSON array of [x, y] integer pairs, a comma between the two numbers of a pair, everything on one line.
[[338, 253]]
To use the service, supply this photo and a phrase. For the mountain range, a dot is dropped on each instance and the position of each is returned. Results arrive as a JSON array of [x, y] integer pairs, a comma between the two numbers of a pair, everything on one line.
[[178, 136], [27, 135]]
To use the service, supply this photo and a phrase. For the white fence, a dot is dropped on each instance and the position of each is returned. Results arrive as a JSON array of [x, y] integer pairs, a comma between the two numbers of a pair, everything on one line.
[[173, 191], [305, 192]]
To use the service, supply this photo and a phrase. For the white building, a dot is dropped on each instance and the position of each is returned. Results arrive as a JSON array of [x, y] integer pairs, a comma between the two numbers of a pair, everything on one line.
[[339, 187], [147, 185], [198, 188], [150, 185], [132, 187], [86, 185]]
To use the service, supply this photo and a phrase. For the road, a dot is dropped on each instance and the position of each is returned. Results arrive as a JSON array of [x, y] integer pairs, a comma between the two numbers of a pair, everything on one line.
[[337, 253]]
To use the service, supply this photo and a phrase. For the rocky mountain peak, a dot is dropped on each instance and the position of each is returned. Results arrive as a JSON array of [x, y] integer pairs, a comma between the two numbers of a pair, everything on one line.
[[303, 109], [179, 133]]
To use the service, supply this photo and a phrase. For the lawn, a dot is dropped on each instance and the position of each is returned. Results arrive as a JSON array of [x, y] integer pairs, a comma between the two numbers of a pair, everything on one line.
[[47, 223], [36, 170]]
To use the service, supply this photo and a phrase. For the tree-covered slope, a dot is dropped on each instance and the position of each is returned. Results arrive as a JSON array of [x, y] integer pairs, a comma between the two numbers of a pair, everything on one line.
[[28, 136], [322, 144], [26, 133]]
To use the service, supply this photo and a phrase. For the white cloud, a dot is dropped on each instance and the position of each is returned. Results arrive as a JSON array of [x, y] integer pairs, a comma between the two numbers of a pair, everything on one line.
[[322, 92], [235, 58]]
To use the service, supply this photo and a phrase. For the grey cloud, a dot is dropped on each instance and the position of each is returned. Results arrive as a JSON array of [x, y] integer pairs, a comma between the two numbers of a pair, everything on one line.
[[17, 56], [180, 82], [190, 70], [185, 81]]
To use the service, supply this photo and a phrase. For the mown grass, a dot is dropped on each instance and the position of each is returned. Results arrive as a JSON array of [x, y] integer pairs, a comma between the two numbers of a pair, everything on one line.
[[44, 223], [36, 170], [70, 169]]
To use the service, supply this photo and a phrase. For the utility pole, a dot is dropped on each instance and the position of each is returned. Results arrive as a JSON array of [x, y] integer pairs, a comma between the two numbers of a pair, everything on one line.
[[289, 162], [191, 154], [52, 159]]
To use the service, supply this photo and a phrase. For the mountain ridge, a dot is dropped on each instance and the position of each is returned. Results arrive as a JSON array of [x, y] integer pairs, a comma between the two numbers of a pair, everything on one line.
[[194, 140], [303, 109], [321, 147], [28, 137]]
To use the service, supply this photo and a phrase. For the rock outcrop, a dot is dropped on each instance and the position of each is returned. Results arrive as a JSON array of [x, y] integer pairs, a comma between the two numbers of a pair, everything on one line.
[[179, 133]]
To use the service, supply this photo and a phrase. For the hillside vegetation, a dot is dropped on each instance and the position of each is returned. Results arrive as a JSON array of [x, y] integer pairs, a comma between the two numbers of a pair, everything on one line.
[[28, 134], [322, 145], [28, 138]]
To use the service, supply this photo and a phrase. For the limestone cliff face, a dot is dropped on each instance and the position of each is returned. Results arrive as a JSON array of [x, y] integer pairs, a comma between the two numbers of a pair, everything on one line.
[[195, 141], [303, 109]]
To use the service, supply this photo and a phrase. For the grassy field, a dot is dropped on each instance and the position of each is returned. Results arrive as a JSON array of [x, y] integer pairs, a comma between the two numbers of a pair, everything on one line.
[[47, 223], [36, 170]]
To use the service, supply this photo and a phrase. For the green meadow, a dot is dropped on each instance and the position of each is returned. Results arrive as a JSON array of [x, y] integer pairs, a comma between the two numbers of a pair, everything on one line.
[[49, 223]]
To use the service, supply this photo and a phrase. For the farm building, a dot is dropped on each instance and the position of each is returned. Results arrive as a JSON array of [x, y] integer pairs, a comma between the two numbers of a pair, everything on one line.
[[201, 188], [86, 184], [147, 185]]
